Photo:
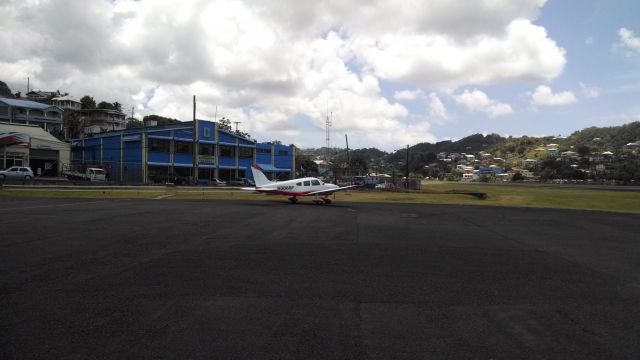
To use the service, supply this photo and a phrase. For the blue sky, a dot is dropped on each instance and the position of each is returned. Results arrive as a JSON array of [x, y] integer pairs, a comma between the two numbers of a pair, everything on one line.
[[392, 72]]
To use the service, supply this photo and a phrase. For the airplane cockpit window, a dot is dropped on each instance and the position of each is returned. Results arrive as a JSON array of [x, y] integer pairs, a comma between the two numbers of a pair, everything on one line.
[[315, 182], [307, 183], [299, 184]]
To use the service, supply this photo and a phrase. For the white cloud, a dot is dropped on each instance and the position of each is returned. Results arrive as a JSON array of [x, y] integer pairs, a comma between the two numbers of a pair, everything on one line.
[[544, 96], [477, 100], [523, 52], [589, 91], [437, 111], [408, 94], [270, 63], [629, 41]]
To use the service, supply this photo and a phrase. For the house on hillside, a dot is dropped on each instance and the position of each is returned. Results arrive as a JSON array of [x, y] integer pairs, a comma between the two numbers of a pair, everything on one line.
[[66, 103], [41, 96], [529, 163], [96, 121], [15, 111]]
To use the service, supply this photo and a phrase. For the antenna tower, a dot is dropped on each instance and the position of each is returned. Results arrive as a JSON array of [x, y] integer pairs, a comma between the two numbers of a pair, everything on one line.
[[328, 132]]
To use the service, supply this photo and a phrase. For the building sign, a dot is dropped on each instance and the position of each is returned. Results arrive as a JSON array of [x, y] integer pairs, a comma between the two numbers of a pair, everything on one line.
[[8, 138]]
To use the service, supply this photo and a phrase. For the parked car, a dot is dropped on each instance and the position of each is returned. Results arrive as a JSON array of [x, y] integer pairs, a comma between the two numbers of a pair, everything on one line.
[[241, 182], [217, 182], [17, 172]]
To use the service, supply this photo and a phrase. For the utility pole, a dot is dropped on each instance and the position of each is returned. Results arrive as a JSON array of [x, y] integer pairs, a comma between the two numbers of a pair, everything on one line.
[[195, 143], [348, 160], [407, 169], [237, 122]]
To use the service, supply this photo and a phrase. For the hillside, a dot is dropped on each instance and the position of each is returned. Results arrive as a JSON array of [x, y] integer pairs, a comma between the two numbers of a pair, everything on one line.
[[589, 141]]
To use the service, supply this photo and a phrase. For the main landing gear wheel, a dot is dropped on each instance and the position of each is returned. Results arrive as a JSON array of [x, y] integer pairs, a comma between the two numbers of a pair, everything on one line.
[[326, 200], [293, 200]]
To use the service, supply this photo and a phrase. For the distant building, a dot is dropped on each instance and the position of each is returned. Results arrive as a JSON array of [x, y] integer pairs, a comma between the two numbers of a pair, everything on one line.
[[323, 166], [41, 96], [529, 163], [15, 111], [96, 121], [66, 103]]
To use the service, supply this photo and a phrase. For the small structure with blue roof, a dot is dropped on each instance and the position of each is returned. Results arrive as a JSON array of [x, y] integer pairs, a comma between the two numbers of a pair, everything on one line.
[[16, 111]]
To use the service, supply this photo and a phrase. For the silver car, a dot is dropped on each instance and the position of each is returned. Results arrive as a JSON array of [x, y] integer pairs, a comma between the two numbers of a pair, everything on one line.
[[16, 172]]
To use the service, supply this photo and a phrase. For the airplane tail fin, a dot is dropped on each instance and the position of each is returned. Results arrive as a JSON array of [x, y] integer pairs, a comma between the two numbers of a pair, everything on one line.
[[258, 176]]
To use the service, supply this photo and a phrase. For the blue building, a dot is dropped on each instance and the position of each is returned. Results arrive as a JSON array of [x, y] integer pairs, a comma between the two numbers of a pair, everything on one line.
[[16, 111], [165, 153]]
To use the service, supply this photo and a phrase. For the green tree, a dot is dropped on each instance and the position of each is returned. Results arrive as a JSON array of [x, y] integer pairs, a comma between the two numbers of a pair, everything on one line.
[[105, 105], [160, 120], [583, 150], [133, 123], [73, 124], [117, 106], [305, 166], [5, 91], [225, 124], [87, 102]]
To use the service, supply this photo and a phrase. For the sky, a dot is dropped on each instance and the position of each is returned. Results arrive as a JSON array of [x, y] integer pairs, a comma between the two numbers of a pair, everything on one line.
[[387, 73]]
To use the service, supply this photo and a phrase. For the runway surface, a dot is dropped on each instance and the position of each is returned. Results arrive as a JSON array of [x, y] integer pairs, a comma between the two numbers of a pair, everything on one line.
[[168, 279]]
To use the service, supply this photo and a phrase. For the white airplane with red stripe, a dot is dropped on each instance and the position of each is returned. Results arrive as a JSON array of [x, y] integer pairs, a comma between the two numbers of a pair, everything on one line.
[[308, 186]]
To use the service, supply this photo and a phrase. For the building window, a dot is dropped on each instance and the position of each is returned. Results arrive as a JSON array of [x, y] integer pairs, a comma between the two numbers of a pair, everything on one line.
[[207, 149], [227, 151], [158, 145], [264, 150], [207, 132], [183, 147], [246, 153], [283, 153]]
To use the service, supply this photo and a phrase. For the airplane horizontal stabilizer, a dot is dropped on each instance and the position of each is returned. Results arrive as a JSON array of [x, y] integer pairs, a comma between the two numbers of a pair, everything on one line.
[[331, 191]]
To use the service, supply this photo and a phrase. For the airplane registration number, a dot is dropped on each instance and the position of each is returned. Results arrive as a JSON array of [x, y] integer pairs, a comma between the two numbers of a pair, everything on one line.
[[285, 187]]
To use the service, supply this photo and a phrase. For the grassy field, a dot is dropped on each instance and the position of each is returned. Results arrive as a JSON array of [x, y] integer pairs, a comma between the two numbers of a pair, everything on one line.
[[564, 197]]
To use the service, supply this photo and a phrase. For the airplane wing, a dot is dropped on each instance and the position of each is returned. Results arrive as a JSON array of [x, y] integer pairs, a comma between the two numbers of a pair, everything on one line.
[[331, 191]]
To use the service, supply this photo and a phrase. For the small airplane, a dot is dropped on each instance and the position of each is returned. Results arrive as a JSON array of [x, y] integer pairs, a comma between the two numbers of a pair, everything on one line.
[[308, 186]]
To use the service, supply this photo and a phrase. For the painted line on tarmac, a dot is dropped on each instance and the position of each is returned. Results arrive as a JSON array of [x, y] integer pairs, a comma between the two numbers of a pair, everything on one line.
[[48, 206], [161, 197]]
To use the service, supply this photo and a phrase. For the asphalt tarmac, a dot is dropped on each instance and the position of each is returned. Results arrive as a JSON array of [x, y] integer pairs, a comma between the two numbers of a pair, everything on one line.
[[168, 279]]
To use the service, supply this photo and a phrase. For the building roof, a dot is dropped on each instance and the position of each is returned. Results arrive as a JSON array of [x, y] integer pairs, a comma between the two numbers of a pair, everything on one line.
[[39, 137], [65, 98], [26, 104]]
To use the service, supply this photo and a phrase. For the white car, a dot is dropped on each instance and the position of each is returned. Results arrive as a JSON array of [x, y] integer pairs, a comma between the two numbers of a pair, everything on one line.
[[17, 172]]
